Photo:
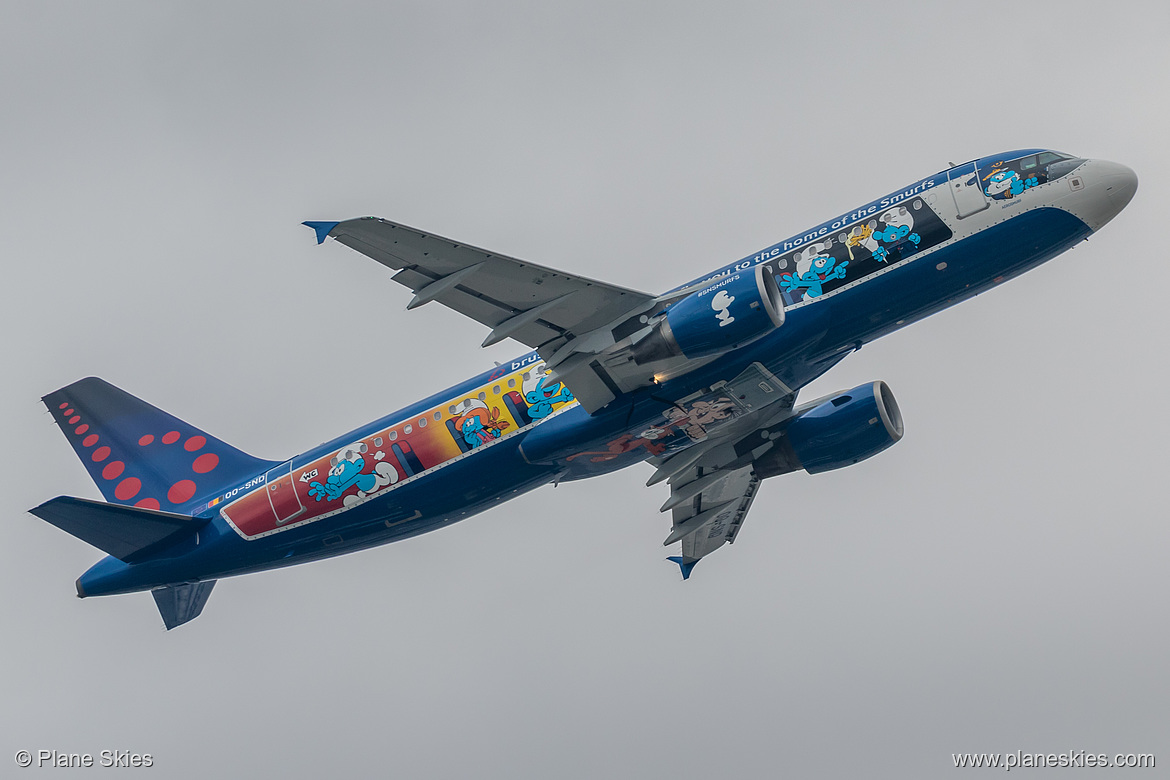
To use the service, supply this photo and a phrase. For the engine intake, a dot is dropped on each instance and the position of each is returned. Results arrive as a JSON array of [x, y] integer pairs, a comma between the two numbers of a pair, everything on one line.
[[732, 311], [848, 428]]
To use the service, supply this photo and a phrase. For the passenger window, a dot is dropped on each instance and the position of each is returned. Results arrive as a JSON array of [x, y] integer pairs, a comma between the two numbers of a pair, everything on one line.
[[378, 441], [422, 422], [393, 435], [438, 416], [407, 429]]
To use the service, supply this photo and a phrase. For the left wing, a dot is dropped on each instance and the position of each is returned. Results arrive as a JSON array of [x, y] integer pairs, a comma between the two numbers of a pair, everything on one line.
[[713, 482], [708, 512], [546, 309]]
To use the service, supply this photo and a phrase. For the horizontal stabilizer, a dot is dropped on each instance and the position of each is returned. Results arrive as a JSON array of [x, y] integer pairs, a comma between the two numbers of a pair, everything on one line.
[[179, 604], [125, 532]]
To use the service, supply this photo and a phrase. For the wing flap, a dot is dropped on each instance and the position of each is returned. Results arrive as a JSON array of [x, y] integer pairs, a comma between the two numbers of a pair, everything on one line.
[[722, 509], [502, 287], [560, 314]]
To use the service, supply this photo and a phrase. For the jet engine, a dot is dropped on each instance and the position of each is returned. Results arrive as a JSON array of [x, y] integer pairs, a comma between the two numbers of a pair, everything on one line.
[[730, 312], [846, 429]]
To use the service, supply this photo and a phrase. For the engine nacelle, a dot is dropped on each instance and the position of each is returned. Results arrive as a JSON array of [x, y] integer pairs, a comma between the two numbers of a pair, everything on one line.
[[727, 314], [848, 428]]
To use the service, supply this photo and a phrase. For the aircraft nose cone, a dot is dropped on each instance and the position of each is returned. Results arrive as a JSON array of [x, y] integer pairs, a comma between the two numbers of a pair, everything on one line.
[[1109, 188], [1120, 183]]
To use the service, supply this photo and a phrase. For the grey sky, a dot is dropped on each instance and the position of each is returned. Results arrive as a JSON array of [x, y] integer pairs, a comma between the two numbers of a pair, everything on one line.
[[995, 582]]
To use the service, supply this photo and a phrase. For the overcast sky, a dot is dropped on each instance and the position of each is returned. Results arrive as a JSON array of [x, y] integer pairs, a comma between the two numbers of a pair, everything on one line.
[[996, 582]]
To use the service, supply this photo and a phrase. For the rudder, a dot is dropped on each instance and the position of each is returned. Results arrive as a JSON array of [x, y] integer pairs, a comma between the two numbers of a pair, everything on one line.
[[140, 455]]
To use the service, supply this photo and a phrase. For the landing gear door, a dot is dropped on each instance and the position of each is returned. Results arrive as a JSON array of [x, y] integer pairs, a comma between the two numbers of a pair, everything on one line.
[[756, 388], [967, 190], [282, 494]]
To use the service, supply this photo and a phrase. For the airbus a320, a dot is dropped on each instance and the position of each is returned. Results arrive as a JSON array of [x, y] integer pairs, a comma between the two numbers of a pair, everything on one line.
[[701, 382]]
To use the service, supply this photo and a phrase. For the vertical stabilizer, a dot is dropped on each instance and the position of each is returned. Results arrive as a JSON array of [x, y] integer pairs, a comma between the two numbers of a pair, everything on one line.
[[141, 456]]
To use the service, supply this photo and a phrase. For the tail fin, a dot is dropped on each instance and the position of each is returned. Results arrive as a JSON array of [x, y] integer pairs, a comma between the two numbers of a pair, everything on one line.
[[140, 455]]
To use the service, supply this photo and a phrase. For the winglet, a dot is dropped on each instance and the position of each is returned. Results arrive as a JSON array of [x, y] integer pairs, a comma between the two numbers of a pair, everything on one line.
[[321, 229], [683, 565]]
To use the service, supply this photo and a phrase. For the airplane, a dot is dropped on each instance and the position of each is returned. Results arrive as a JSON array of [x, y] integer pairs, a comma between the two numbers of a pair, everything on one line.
[[701, 382]]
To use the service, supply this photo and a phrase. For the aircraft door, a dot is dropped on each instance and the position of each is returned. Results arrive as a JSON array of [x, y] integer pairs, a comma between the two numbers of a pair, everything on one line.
[[967, 190], [282, 494]]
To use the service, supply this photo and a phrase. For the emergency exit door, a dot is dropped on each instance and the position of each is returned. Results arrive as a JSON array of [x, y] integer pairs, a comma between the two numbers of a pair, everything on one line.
[[282, 494]]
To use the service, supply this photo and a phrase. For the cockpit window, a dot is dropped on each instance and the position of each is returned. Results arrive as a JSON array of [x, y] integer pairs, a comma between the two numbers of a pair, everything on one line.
[[1051, 157], [1005, 180]]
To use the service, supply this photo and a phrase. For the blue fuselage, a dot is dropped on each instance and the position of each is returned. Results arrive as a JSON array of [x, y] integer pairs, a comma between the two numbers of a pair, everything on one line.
[[997, 239]]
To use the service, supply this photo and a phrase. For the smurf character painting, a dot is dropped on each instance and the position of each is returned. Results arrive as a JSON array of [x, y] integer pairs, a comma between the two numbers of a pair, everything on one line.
[[1005, 184], [814, 267], [541, 395], [478, 425], [721, 303], [895, 230], [347, 470], [860, 236]]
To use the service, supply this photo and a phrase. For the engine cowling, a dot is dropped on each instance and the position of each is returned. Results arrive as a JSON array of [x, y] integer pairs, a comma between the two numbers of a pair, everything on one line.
[[732, 311], [846, 429]]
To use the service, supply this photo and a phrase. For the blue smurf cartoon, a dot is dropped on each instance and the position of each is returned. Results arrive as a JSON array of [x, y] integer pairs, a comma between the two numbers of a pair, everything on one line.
[[348, 470], [896, 226], [478, 425], [1005, 184], [814, 267], [721, 305], [541, 397]]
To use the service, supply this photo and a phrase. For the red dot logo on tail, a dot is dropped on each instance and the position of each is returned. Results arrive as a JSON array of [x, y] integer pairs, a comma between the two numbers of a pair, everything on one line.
[[127, 488], [181, 491], [205, 463]]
